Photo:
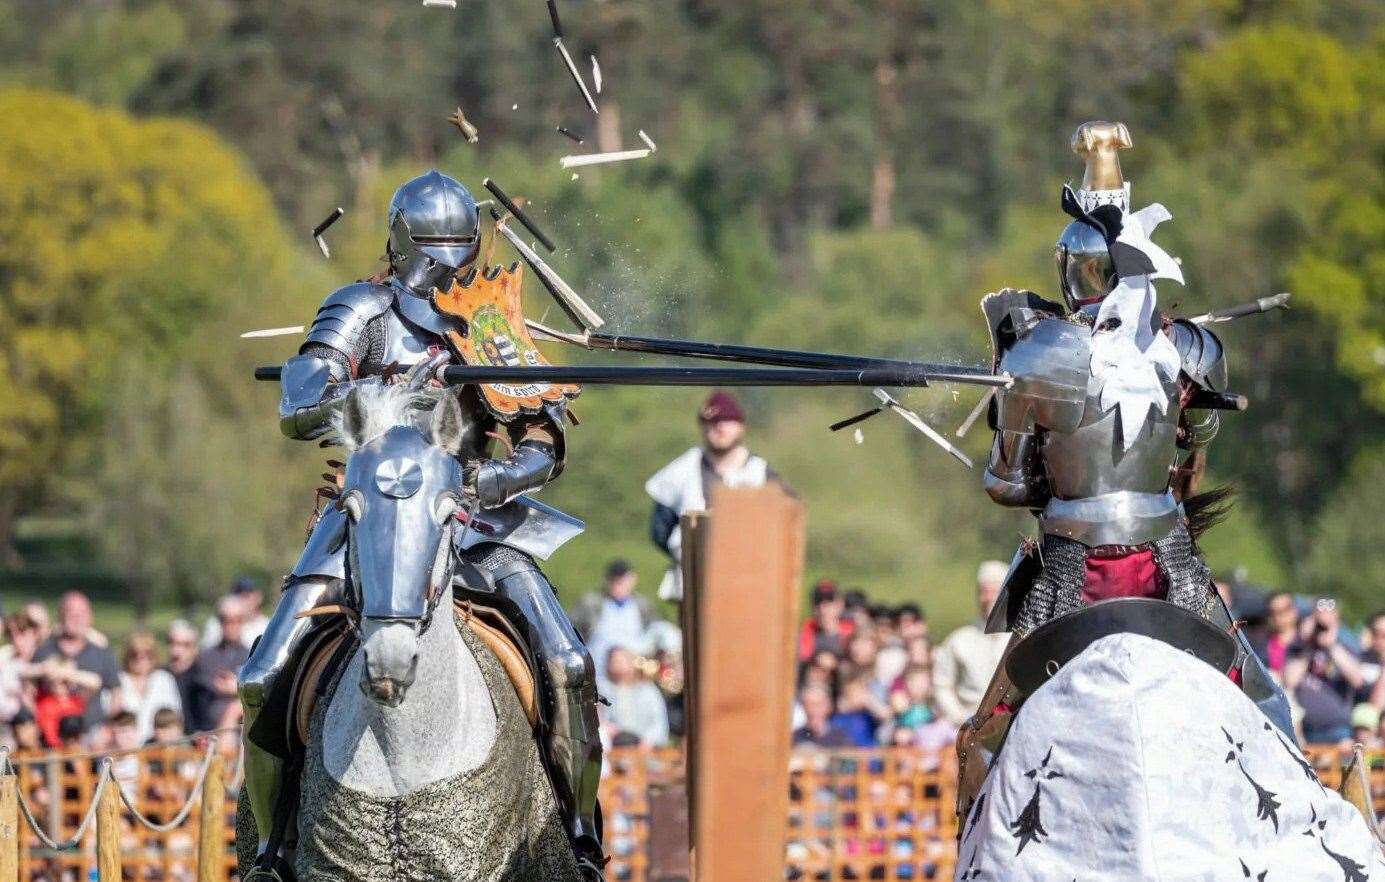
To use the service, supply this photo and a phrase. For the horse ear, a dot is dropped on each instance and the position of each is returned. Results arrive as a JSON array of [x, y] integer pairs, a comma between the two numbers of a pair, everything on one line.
[[353, 420], [448, 423]]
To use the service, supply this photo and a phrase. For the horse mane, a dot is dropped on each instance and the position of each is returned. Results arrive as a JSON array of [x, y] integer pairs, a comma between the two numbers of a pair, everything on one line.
[[379, 408]]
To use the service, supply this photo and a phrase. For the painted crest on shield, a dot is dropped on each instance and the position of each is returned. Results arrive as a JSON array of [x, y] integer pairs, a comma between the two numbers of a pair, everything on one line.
[[497, 337]]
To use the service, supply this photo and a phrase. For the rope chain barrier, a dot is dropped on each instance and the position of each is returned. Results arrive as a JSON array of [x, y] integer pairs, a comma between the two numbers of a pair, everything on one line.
[[107, 776]]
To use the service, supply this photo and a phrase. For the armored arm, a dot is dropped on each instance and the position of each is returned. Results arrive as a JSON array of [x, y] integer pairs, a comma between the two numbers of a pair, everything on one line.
[[1014, 476], [317, 380], [536, 460], [1203, 366], [1047, 358]]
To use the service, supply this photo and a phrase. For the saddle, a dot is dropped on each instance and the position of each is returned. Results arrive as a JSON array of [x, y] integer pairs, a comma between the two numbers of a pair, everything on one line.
[[282, 727]]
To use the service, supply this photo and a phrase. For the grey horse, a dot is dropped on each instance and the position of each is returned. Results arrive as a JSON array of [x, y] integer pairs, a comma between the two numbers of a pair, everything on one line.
[[419, 762]]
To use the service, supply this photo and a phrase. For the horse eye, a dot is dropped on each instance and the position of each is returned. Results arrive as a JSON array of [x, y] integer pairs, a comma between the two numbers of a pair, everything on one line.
[[444, 507], [354, 503]]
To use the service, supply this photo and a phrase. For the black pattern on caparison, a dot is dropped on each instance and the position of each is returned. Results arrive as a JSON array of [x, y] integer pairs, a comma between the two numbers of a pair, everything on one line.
[[1029, 826], [976, 809], [1245, 871], [1351, 870], [1267, 804], [1294, 755]]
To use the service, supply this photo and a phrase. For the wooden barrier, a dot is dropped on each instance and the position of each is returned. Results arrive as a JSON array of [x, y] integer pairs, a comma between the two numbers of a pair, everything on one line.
[[748, 567], [211, 838], [856, 814], [108, 828], [9, 827]]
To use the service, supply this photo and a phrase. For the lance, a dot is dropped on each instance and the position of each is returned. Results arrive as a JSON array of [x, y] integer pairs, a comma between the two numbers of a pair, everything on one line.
[[743, 354], [903, 374]]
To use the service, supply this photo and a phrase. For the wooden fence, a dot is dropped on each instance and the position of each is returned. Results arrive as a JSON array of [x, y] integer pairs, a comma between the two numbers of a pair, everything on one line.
[[861, 814]]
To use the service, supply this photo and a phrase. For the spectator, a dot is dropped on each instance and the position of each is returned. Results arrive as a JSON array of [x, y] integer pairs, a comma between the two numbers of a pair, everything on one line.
[[859, 712], [827, 629], [615, 617], [969, 656], [1373, 661], [247, 594], [73, 642], [1282, 632], [919, 652], [215, 703], [16, 665], [145, 688], [818, 729], [1365, 726], [861, 651], [686, 484], [27, 737], [1323, 675], [125, 738], [59, 698], [885, 624], [910, 622], [637, 707], [38, 614], [69, 733], [182, 654], [890, 664], [915, 709], [168, 727]]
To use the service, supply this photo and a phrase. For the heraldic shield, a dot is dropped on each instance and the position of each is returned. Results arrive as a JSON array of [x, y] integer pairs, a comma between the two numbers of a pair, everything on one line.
[[491, 306]]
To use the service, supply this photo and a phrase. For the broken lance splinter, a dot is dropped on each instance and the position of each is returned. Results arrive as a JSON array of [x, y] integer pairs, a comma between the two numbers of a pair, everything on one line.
[[553, 14], [331, 219], [523, 218]]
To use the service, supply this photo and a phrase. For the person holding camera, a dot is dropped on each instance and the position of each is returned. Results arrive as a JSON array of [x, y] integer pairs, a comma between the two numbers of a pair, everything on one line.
[[1323, 675]]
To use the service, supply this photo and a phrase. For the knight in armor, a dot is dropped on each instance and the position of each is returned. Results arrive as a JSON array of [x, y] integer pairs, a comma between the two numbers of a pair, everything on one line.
[[387, 325], [1096, 437]]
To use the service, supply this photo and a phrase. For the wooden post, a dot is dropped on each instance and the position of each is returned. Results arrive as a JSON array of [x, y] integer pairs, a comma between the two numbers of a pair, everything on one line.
[[211, 840], [108, 827], [745, 609], [9, 826]]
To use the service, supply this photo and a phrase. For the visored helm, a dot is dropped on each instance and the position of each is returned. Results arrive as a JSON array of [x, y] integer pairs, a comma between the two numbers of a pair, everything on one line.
[[435, 230], [1085, 269]]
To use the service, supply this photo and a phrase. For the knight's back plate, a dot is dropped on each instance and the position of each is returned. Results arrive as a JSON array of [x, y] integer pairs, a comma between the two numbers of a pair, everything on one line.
[[1081, 446]]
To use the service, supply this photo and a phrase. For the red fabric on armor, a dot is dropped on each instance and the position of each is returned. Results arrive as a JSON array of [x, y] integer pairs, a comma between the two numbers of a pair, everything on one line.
[[1123, 574]]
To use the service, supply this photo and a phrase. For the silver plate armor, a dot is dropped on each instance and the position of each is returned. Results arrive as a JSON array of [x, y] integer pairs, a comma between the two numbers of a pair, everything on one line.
[[1057, 450], [435, 230]]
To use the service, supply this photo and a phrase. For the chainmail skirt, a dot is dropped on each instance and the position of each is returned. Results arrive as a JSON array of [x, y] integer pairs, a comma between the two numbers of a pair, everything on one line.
[[1057, 590]]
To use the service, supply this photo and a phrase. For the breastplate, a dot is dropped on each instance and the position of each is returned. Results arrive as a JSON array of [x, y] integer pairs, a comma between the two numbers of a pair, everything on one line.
[[409, 328]]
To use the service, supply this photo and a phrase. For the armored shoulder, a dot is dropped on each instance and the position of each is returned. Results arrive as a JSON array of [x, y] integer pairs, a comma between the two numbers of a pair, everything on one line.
[[1203, 357], [1010, 312], [1049, 361], [341, 320]]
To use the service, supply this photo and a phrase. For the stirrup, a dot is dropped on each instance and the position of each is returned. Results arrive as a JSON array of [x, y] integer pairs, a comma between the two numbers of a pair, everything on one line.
[[279, 871], [589, 869]]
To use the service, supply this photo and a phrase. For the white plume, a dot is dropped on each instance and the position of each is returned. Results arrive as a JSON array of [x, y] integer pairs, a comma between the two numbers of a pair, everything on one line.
[[1132, 362]]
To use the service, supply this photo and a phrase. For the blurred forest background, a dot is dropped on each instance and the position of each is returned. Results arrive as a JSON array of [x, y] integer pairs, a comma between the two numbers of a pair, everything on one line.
[[851, 175]]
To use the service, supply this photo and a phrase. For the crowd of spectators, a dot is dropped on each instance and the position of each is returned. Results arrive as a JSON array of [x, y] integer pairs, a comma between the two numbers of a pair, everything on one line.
[[1331, 674], [870, 675], [64, 686]]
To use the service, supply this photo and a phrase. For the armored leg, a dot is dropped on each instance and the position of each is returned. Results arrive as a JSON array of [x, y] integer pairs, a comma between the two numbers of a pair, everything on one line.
[[263, 770], [573, 745]]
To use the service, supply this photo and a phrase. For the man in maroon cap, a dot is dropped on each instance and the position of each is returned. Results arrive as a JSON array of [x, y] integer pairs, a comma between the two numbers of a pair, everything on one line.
[[685, 484]]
